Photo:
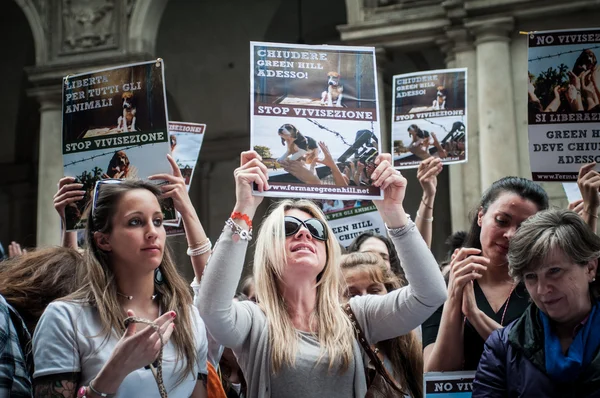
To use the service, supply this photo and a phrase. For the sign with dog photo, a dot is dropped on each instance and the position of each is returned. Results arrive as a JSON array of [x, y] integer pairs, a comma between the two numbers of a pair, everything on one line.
[[314, 119], [114, 126], [350, 218], [563, 100], [186, 141], [429, 117]]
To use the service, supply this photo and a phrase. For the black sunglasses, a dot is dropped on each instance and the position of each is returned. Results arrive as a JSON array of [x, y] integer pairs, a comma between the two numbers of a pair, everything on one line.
[[313, 225]]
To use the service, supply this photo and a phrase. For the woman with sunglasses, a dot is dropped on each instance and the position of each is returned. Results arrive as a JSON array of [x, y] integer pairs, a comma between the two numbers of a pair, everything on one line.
[[297, 341], [84, 345]]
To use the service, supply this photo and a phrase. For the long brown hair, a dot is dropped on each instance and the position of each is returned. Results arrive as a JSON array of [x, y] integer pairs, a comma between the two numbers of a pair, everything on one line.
[[404, 352], [99, 286], [33, 280]]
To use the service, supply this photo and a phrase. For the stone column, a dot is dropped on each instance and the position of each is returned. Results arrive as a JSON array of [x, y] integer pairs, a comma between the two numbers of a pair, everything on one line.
[[470, 191], [498, 139], [50, 168], [457, 205]]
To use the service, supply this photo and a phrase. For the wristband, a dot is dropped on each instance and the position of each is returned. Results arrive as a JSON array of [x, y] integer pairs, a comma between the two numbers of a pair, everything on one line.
[[236, 215]]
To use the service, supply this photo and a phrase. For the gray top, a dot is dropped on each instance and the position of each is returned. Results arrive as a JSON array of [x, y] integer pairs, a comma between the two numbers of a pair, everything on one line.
[[309, 376], [243, 327]]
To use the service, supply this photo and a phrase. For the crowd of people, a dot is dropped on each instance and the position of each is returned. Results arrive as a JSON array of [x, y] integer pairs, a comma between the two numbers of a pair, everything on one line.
[[516, 300]]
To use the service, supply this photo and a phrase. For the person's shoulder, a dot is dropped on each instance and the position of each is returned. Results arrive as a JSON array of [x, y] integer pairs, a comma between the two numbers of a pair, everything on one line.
[[72, 309]]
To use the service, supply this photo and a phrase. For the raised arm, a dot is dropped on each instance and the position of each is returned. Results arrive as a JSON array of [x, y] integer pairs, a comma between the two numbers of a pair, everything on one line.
[[589, 184], [194, 232], [397, 313], [68, 193], [229, 322], [427, 175]]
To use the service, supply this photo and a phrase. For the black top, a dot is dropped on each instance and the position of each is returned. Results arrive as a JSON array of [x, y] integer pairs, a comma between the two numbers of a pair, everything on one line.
[[473, 343]]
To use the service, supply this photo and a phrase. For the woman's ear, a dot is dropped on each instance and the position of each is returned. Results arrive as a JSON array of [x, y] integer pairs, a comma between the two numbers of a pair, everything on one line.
[[480, 214], [592, 269], [101, 240]]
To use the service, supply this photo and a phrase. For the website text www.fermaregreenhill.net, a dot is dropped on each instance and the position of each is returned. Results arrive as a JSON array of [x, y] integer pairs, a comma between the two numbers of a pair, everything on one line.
[[555, 176], [320, 189]]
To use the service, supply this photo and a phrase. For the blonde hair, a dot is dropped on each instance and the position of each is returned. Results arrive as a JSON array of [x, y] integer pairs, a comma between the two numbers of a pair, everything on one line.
[[333, 330], [99, 286], [404, 352]]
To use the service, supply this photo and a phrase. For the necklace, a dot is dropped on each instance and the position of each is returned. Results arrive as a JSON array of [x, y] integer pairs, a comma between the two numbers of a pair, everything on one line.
[[131, 297], [507, 302]]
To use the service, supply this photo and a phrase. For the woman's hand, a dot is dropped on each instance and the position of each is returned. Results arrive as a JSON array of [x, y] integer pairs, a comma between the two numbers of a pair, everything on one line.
[[427, 175], [14, 250], [466, 266], [68, 192], [137, 349], [393, 185], [251, 171], [175, 188], [577, 207], [589, 186], [469, 304]]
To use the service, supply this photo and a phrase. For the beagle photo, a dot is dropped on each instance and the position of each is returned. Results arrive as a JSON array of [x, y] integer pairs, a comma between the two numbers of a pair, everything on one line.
[[333, 95], [126, 122], [120, 167], [299, 147]]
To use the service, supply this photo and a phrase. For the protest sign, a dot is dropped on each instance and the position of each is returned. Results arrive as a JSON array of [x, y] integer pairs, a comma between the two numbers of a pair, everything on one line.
[[448, 384], [429, 117], [114, 126], [563, 102], [350, 218], [186, 141], [314, 119]]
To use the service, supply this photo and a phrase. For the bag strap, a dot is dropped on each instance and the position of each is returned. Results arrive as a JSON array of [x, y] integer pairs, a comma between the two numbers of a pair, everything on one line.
[[360, 336]]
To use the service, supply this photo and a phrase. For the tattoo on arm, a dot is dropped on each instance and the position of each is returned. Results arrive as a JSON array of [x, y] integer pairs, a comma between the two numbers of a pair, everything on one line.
[[57, 386]]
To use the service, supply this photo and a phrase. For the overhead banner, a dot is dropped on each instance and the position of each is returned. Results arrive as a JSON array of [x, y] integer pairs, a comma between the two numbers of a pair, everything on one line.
[[114, 126], [429, 117], [563, 103], [314, 119], [448, 384], [350, 218]]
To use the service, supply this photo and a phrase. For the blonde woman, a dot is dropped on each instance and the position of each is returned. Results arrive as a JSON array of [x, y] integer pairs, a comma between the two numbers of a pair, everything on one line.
[[297, 341]]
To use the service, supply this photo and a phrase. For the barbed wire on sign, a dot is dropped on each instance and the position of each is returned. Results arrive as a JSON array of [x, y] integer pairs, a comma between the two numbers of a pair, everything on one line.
[[561, 53], [436, 124], [331, 131], [103, 154]]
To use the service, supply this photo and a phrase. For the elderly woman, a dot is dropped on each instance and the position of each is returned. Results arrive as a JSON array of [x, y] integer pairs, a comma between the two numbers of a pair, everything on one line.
[[297, 341], [552, 350]]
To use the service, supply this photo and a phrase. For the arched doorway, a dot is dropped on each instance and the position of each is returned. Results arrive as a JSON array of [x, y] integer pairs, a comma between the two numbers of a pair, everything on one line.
[[19, 130]]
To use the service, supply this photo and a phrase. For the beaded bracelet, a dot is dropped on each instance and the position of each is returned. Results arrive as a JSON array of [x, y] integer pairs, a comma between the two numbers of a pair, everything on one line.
[[236, 215], [203, 248], [238, 232]]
